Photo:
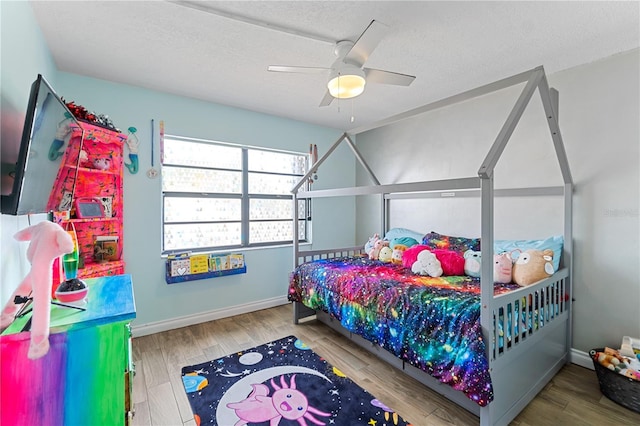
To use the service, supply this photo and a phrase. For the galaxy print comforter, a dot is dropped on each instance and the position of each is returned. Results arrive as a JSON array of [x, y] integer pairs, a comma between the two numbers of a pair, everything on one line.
[[432, 323]]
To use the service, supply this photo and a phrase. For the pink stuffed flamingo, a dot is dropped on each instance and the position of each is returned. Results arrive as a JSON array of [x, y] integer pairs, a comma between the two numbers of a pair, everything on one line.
[[48, 241]]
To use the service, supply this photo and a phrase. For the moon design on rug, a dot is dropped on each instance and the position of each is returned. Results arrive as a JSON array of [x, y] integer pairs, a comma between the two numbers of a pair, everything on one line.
[[242, 388], [250, 358]]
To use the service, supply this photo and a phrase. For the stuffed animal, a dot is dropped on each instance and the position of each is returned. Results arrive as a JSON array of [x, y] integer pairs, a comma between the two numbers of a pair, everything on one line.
[[427, 264], [610, 361], [398, 251], [377, 246], [472, 263], [48, 241], [533, 266], [370, 242], [410, 255], [452, 262], [405, 241], [502, 265], [385, 254]]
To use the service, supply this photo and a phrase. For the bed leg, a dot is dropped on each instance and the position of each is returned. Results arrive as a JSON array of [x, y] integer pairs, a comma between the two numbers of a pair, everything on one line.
[[301, 311]]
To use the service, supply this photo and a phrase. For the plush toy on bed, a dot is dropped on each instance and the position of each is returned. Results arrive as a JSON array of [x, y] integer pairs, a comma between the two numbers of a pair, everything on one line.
[[502, 265], [377, 245], [472, 263], [385, 255], [427, 264], [398, 251], [533, 266], [452, 262], [370, 242], [48, 241]]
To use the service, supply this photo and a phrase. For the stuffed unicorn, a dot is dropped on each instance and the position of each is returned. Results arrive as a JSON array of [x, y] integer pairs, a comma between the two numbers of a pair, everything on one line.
[[48, 241]]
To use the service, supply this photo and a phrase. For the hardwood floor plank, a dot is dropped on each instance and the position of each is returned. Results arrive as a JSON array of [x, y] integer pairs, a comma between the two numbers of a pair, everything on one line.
[[154, 368], [139, 386], [142, 416], [572, 397], [162, 405]]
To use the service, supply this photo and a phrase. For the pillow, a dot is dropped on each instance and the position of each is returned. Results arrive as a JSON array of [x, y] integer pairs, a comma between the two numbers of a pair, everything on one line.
[[554, 243], [403, 232], [433, 240]]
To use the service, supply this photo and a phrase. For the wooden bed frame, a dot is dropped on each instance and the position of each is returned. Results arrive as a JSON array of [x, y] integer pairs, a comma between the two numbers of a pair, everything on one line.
[[534, 355]]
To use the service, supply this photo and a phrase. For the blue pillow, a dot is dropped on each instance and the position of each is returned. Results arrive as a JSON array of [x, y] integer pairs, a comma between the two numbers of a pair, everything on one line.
[[554, 243], [403, 232]]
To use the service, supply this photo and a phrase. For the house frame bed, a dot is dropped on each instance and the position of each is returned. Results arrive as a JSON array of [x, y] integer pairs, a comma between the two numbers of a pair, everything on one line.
[[521, 367]]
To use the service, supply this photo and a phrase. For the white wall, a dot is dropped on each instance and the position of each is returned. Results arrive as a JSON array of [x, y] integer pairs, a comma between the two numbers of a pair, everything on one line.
[[599, 119]]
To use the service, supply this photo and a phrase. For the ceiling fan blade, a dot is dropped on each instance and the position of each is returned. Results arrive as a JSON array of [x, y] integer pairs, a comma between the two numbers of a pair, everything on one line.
[[365, 44], [388, 77], [302, 70], [326, 100]]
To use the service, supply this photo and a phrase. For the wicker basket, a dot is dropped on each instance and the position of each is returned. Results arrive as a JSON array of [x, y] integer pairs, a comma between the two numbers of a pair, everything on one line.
[[616, 387]]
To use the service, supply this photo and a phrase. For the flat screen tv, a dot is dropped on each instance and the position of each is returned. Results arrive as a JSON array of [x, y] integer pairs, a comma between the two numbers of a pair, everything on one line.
[[30, 165]]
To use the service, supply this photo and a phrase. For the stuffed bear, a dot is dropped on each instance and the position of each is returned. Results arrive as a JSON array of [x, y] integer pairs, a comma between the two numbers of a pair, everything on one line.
[[385, 254], [427, 264], [472, 263], [48, 241], [502, 265], [452, 262], [533, 266]]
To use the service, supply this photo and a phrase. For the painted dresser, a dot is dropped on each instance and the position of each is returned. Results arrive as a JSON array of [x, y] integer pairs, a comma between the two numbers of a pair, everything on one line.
[[85, 378]]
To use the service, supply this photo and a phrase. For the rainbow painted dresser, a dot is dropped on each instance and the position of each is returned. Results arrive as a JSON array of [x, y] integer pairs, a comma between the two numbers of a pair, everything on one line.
[[85, 378]]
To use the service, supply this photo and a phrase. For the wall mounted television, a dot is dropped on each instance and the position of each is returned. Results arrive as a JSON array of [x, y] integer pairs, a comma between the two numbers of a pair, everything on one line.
[[30, 165]]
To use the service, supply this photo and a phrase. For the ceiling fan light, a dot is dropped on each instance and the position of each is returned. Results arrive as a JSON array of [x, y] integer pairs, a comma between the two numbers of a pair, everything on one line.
[[346, 86]]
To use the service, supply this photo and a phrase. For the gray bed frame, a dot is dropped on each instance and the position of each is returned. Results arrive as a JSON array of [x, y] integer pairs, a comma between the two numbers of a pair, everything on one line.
[[533, 356]]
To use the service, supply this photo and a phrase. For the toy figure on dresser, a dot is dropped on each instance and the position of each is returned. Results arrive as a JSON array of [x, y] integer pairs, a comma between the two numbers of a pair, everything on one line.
[[48, 241]]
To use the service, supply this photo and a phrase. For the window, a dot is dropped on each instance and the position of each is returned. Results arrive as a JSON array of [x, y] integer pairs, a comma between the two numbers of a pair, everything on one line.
[[222, 196]]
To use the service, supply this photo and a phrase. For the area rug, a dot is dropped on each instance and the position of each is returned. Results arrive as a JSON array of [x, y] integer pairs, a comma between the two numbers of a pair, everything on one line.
[[280, 383]]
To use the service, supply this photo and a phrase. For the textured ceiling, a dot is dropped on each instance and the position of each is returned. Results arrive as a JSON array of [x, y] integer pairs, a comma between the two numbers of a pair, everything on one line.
[[219, 51]]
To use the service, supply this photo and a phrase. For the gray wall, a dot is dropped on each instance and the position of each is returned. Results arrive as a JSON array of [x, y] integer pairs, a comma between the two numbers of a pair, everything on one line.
[[599, 119]]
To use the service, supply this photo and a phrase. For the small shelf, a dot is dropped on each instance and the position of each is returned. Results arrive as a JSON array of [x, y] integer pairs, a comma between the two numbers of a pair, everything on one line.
[[92, 269], [205, 275], [89, 170], [93, 219]]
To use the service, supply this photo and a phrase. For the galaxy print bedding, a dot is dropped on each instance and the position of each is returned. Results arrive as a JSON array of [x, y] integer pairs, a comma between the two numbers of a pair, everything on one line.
[[432, 323]]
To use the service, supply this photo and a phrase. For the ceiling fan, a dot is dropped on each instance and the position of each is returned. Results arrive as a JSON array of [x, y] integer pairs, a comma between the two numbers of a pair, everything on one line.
[[347, 76]]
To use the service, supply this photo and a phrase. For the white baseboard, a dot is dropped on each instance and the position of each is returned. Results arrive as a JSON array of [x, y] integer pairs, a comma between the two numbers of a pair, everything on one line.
[[581, 358], [173, 323]]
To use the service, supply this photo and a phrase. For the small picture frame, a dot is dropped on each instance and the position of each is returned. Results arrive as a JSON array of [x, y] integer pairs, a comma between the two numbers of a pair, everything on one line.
[[87, 208], [105, 248]]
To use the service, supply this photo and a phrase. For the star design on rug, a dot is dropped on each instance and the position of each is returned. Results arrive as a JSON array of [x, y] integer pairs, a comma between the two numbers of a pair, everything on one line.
[[269, 345], [334, 392], [372, 422], [246, 371]]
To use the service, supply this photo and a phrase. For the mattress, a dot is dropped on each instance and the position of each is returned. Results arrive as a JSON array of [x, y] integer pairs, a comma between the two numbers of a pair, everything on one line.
[[431, 323]]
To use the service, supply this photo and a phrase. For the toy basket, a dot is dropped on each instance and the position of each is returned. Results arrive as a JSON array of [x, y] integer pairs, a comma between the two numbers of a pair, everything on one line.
[[618, 388]]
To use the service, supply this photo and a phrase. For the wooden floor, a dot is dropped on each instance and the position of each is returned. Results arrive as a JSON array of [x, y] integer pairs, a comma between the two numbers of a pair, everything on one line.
[[571, 398]]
